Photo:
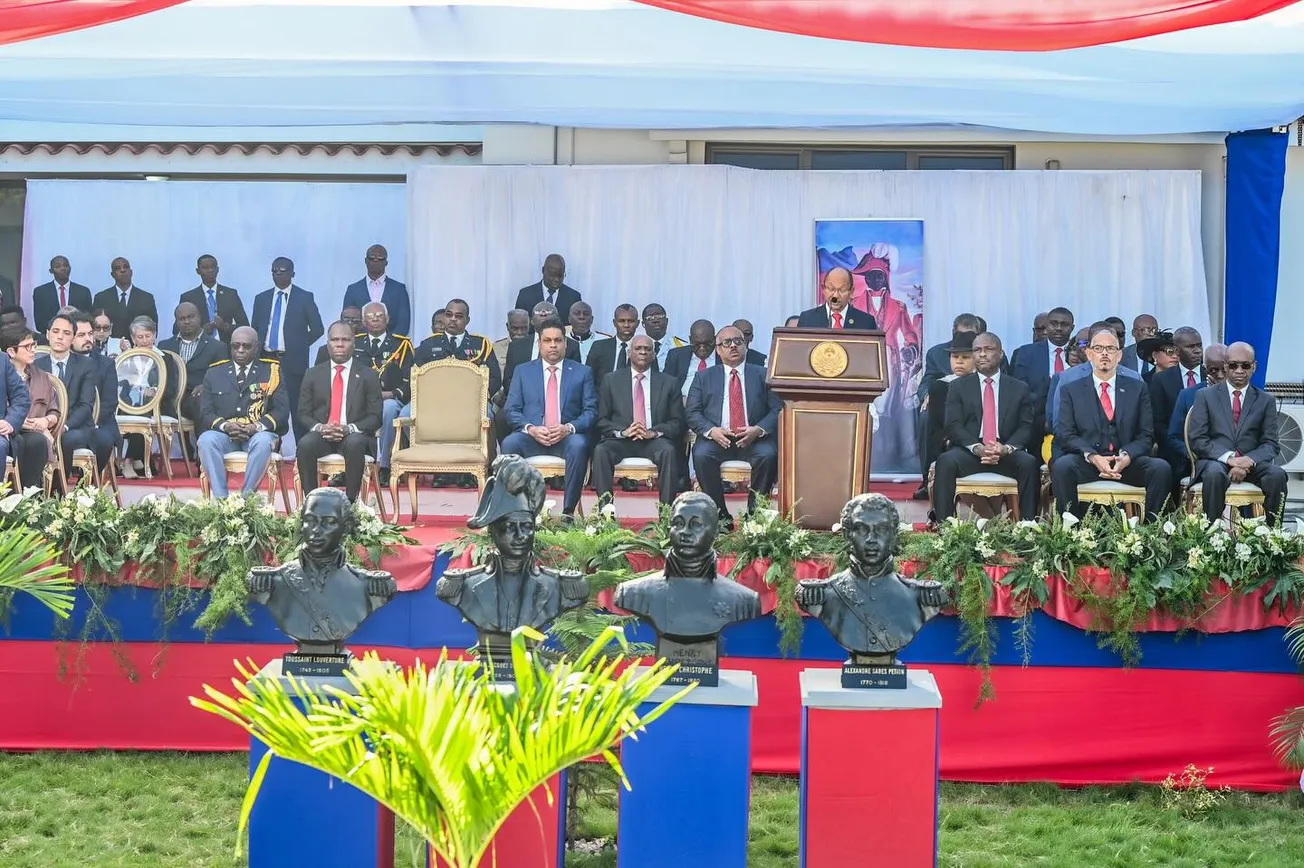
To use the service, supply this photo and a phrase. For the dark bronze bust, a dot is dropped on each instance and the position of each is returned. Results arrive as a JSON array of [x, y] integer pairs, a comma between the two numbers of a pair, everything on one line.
[[319, 600], [688, 603], [511, 589], [871, 611]]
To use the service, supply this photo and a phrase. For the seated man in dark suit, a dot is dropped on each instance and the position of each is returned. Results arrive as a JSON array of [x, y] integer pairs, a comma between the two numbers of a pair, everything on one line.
[[49, 298], [1233, 435], [551, 409], [1215, 373], [1105, 432], [14, 404], [352, 317], [245, 408], [1143, 326], [612, 354], [1037, 363], [1167, 383], [935, 442], [640, 415], [754, 357], [836, 312], [938, 364], [79, 377], [736, 418], [219, 306], [199, 351], [551, 288], [12, 316], [339, 409], [989, 424], [103, 429]]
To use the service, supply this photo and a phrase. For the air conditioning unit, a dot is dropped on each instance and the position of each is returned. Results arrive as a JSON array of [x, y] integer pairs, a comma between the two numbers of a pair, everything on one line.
[[1290, 437]]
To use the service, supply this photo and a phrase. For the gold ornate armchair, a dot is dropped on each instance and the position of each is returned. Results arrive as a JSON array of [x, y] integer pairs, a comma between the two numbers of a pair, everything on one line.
[[448, 431], [142, 380], [176, 424]]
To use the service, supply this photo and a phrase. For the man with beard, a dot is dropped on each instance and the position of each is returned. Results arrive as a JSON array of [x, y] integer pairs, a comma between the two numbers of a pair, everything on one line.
[[103, 431]]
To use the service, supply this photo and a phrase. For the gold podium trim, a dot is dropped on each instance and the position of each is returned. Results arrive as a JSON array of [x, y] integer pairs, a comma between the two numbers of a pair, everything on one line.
[[828, 359], [882, 363]]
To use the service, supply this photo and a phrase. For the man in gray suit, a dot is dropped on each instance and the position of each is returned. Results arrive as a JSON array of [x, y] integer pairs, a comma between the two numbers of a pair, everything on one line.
[[1232, 431], [1144, 326]]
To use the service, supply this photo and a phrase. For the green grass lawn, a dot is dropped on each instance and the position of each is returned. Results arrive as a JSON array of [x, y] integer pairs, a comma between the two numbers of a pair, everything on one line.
[[145, 810]]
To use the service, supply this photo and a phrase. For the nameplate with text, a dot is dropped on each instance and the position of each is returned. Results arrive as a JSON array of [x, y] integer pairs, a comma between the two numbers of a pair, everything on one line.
[[699, 662], [860, 677], [315, 665]]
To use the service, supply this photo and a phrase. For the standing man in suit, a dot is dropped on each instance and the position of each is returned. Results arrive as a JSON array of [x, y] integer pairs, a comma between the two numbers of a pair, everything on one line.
[[78, 375], [199, 351], [656, 325], [124, 301], [339, 408], [1144, 326], [640, 415], [551, 288], [836, 312], [612, 354], [580, 329], [1233, 435], [378, 286], [49, 298], [390, 356], [551, 410], [1186, 374], [1105, 431], [736, 418], [1035, 364], [288, 323], [220, 306], [754, 357], [102, 433], [243, 409], [989, 424]]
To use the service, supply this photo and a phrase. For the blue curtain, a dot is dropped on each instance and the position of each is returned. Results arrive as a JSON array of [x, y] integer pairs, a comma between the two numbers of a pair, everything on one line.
[[1256, 176]]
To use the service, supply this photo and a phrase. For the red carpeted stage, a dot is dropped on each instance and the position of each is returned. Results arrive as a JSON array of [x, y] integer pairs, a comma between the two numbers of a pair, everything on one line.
[[1072, 715]]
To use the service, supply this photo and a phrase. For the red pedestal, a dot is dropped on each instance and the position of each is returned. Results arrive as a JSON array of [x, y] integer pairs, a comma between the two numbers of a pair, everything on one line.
[[868, 773], [528, 839]]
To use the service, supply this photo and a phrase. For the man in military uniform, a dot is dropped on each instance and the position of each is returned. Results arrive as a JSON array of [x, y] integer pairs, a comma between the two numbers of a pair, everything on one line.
[[319, 600], [511, 589], [390, 356], [455, 342], [871, 611], [243, 408]]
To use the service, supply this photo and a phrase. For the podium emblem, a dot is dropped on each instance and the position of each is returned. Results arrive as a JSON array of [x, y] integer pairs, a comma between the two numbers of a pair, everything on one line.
[[828, 359]]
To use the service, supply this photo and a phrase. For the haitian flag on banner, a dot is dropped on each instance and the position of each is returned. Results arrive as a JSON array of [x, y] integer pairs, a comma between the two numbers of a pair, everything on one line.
[[993, 25]]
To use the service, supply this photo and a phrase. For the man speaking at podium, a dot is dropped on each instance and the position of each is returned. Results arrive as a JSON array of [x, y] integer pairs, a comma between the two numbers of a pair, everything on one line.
[[836, 312]]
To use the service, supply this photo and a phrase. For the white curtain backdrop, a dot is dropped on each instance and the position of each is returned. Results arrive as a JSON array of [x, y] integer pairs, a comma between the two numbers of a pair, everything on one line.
[[718, 242], [162, 227]]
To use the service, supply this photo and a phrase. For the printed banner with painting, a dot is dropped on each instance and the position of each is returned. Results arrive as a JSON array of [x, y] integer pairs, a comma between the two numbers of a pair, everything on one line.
[[886, 260]]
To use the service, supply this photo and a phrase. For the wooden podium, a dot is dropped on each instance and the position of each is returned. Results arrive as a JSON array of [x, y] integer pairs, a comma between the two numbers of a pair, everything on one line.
[[827, 379]]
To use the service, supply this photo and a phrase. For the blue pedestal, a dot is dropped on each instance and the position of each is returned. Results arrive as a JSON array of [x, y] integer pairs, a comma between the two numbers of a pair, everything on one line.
[[305, 817], [691, 779]]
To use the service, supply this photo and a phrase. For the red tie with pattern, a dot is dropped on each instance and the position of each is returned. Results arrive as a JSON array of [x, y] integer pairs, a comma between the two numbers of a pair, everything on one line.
[[1059, 360], [63, 296], [1236, 407], [1190, 379], [837, 320], [989, 412], [701, 365], [737, 415], [640, 401], [552, 399], [337, 397], [1105, 403]]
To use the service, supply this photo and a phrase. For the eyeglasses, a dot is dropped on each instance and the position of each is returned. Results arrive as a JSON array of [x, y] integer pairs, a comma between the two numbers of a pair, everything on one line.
[[26, 345], [1240, 366], [654, 317], [280, 271], [730, 342], [1098, 348], [372, 258]]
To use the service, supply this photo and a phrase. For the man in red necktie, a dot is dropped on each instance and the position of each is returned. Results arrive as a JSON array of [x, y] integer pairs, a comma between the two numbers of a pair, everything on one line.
[[551, 408], [1037, 364], [340, 411], [640, 415], [735, 416], [836, 312], [989, 424], [1105, 431]]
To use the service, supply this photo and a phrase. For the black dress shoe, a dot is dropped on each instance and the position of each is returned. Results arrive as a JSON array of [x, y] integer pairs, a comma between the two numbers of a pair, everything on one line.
[[336, 481], [921, 493], [629, 485], [384, 477]]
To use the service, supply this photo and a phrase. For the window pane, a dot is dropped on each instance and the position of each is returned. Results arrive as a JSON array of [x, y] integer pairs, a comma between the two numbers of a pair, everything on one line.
[[858, 159], [961, 162], [757, 159]]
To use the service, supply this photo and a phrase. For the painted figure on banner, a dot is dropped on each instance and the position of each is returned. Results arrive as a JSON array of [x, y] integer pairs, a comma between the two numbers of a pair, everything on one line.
[[886, 261]]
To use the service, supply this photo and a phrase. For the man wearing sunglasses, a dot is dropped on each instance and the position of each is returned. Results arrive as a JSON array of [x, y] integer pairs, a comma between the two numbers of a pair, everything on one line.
[[1233, 435]]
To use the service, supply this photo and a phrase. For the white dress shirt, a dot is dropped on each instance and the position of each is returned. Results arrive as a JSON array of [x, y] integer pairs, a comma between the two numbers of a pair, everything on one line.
[[1050, 362], [376, 288], [615, 360], [996, 393], [1198, 378], [693, 361], [278, 345], [842, 313], [1231, 397], [382, 337], [725, 422], [64, 289]]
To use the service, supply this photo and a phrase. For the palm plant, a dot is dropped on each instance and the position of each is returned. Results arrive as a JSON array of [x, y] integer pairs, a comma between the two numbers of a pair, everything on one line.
[[28, 563], [441, 747], [1288, 729]]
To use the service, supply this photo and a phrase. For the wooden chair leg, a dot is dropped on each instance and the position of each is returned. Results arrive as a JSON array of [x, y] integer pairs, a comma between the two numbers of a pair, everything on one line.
[[185, 452], [205, 490], [380, 494], [412, 495], [1012, 504]]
